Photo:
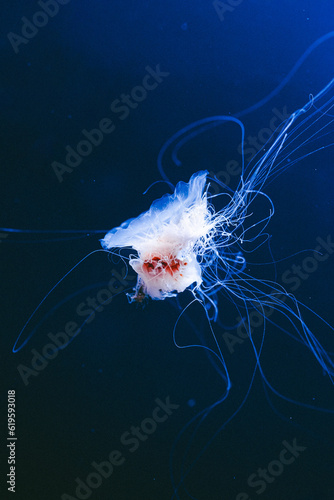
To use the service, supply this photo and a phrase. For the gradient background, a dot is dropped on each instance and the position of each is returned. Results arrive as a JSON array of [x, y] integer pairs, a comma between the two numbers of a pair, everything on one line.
[[107, 379]]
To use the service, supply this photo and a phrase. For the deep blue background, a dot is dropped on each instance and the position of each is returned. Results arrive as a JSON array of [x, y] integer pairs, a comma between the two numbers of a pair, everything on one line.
[[76, 409]]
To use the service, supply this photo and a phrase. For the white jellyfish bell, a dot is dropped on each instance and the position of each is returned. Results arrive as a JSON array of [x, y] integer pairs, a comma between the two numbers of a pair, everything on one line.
[[167, 239]]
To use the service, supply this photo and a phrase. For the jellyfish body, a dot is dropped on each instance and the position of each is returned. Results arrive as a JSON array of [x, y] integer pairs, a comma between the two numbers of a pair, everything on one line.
[[167, 239]]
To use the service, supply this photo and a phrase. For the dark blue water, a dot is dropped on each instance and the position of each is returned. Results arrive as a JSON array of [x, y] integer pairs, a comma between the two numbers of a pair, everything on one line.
[[75, 408]]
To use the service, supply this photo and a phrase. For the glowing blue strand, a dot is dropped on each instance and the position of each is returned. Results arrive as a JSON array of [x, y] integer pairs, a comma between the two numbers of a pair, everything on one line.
[[70, 340], [288, 77], [203, 414], [87, 232], [57, 306], [215, 121], [14, 350]]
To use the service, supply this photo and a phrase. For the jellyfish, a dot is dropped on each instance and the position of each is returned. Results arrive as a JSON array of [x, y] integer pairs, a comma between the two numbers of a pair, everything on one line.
[[185, 243], [182, 242], [168, 240], [197, 241]]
